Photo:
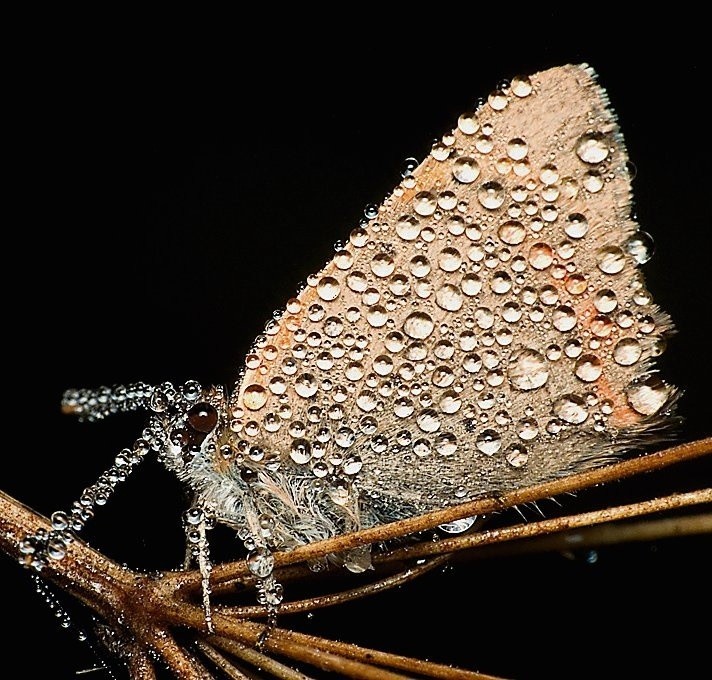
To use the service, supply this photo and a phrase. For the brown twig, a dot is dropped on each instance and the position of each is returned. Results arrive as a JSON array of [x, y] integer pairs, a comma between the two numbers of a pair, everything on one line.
[[338, 544], [146, 610]]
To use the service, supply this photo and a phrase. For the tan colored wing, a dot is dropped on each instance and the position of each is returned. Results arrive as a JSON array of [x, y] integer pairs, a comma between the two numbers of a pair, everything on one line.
[[488, 328]]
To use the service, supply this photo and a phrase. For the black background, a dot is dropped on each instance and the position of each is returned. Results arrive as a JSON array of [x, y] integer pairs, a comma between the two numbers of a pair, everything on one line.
[[164, 200]]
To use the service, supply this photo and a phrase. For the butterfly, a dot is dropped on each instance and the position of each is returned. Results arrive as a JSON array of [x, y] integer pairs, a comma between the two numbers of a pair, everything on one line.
[[487, 327]]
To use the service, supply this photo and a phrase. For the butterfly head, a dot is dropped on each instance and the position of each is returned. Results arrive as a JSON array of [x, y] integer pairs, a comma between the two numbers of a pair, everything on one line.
[[188, 424]]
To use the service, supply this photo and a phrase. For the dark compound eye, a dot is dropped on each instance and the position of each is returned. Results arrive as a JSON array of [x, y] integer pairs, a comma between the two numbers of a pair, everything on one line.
[[202, 418]]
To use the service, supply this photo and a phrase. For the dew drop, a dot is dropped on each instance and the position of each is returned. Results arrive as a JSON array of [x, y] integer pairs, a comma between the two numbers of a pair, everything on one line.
[[377, 316], [512, 233], [591, 148], [517, 148], [576, 284], [571, 409], [489, 442], [428, 420], [648, 395], [449, 297], [540, 256], [592, 182], [446, 444], [343, 260], [527, 429], [468, 123], [418, 325], [491, 195], [408, 228], [422, 448], [516, 455], [563, 318], [382, 265], [611, 259], [424, 203], [306, 385], [471, 284], [254, 397], [440, 151], [449, 259], [260, 562], [450, 402], [605, 301], [419, 266], [640, 245], [501, 283], [521, 86], [466, 170], [627, 352], [300, 451], [497, 100], [588, 368], [357, 281], [447, 200], [511, 312], [549, 174], [527, 369], [328, 288], [333, 326], [576, 225]]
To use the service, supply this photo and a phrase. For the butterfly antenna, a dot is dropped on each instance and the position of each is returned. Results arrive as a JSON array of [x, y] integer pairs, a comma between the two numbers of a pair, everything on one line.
[[97, 404]]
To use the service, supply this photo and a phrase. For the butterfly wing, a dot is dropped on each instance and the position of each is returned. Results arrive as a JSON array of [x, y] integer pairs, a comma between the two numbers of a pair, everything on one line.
[[487, 328]]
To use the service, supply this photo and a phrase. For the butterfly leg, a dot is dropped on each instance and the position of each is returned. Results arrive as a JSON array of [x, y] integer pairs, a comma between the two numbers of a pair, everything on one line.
[[196, 522], [44, 546]]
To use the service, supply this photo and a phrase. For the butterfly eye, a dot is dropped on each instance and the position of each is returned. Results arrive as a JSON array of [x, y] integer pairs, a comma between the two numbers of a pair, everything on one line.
[[202, 418]]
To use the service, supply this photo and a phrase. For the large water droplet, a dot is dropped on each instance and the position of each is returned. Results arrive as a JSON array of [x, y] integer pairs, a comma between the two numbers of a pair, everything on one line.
[[517, 148], [419, 266], [471, 284], [446, 444], [306, 385], [377, 316], [521, 86], [260, 562], [408, 228], [541, 255], [627, 352], [468, 123], [418, 325], [605, 301], [382, 265], [300, 451], [648, 395], [254, 397], [357, 281], [428, 420], [449, 259], [563, 318], [640, 245], [466, 170], [588, 368], [328, 288], [528, 369], [571, 409], [592, 148], [489, 442], [576, 225], [491, 195], [592, 181], [449, 297], [424, 203], [611, 259], [512, 233], [516, 455]]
